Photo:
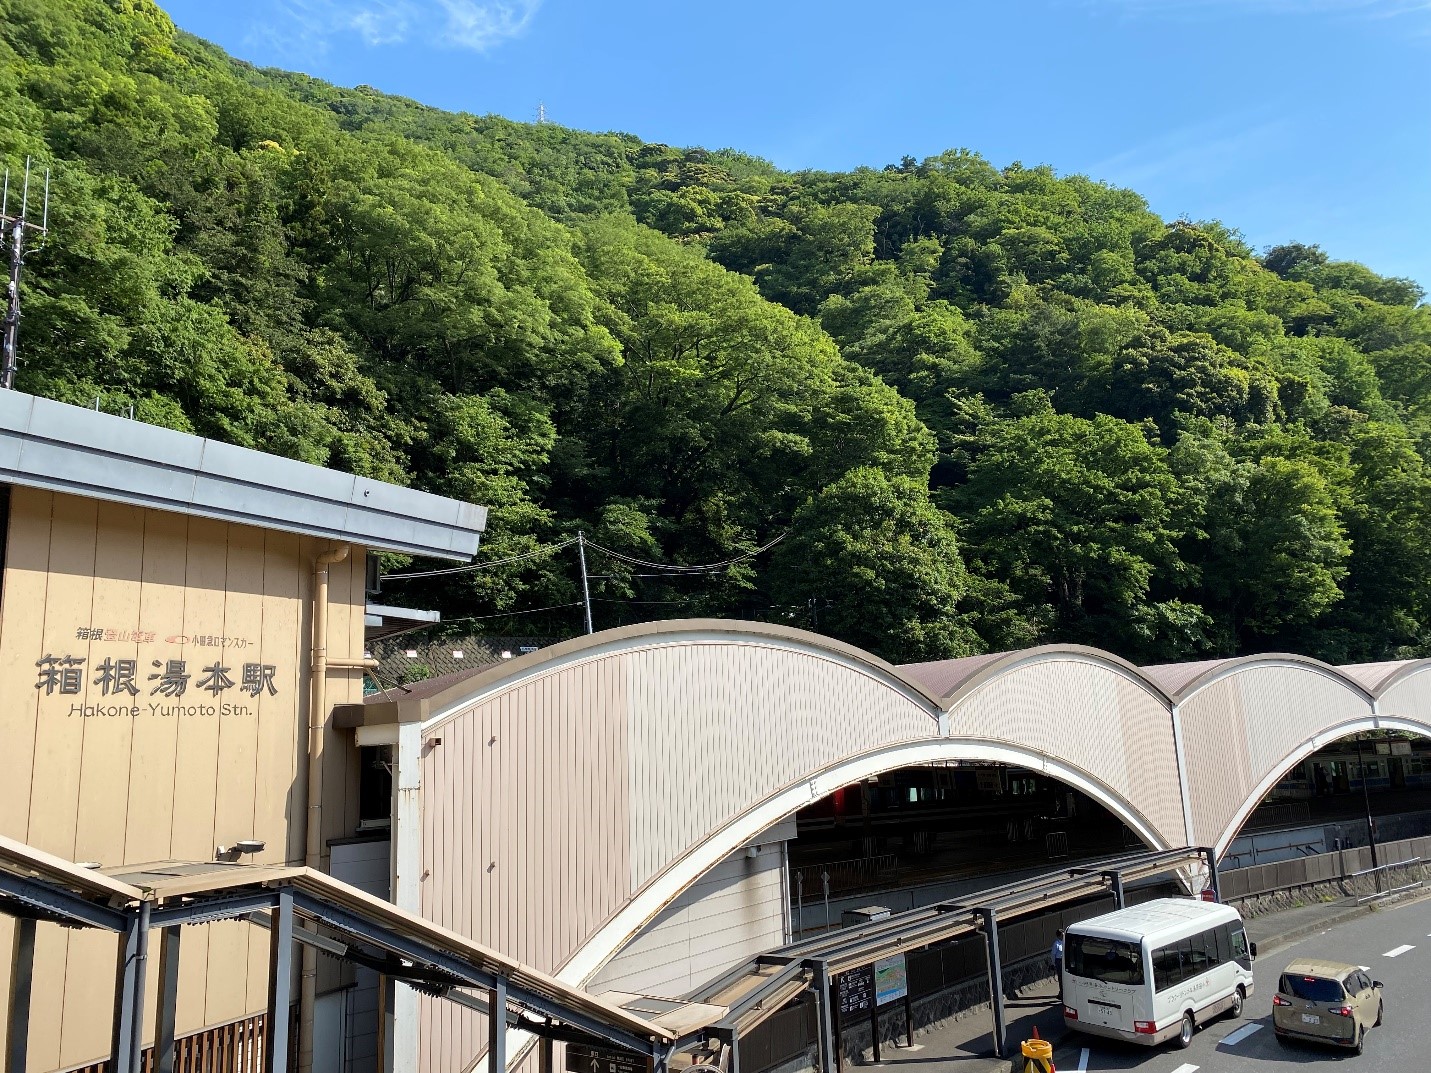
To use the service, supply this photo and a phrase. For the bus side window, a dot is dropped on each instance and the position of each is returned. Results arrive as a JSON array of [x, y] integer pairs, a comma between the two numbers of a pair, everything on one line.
[[1223, 933], [1214, 954], [1167, 967]]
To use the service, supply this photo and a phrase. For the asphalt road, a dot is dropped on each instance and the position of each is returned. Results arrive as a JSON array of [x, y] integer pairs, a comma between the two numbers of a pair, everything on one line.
[[1226, 1046]]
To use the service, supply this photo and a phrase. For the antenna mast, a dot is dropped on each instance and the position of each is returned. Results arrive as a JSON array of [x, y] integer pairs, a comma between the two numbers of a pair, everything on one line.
[[17, 227], [541, 112]]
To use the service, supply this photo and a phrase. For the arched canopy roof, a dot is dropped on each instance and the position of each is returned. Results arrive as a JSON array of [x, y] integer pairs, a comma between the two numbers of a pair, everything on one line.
[[1181, 680], [941, 684], [1378, 678], [612, 771], [423, 700], [955, 679]]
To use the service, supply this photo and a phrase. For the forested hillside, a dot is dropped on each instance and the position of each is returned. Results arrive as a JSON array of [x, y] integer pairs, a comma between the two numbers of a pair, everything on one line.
[[991, 407]]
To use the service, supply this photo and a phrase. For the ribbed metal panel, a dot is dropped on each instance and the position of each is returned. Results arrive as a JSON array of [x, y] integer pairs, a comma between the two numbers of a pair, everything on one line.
[[1241, 729], [1215, 746], [716, 728], [1410, 697], [1091, 717], [735, 911], [525, 828]]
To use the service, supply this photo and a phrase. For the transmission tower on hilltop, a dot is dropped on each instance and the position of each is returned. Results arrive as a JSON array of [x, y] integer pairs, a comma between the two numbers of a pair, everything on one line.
[[16, 229]]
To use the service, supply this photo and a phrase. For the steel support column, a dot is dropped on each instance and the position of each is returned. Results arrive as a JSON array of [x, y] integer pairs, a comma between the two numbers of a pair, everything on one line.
[[280, 983], [996, 978], [544, 1050], [22, 974], [129, 992], [1115, 879], [1212, 876], [497, 1028], [167, 1000], [824, 1016]]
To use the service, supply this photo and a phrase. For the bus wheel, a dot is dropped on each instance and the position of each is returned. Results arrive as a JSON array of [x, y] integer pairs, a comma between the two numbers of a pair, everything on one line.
[[1238, 998], [1185, 1031]]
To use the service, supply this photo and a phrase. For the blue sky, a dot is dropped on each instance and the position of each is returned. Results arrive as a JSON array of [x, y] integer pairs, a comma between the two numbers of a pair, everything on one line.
[[1306, 120]]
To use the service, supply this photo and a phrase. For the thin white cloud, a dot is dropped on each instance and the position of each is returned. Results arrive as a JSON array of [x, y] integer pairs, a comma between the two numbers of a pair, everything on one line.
[[480, 26], [1198, 153], [299, 27], [1365, 8]]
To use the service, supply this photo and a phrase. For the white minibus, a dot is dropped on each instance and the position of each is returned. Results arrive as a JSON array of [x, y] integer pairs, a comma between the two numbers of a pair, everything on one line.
[[1155, 971]]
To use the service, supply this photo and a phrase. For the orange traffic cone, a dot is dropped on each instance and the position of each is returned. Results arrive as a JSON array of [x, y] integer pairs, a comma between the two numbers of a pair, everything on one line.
[[1038, 1055]]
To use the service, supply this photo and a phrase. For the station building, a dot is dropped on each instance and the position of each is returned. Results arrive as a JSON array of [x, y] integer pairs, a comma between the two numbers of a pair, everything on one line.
[[177, 618]]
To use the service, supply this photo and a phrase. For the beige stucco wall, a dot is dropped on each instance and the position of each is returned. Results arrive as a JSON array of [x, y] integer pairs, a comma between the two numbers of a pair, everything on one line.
[[163, 779]]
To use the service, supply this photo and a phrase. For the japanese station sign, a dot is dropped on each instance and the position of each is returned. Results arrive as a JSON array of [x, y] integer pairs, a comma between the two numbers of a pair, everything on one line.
[[221, 678]]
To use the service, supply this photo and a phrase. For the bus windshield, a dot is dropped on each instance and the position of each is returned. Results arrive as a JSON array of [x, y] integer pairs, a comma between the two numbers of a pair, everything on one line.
[[1111, 961]]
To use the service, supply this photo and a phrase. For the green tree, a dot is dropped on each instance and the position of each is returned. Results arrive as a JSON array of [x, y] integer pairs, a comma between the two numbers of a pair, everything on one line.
[[872, 561]]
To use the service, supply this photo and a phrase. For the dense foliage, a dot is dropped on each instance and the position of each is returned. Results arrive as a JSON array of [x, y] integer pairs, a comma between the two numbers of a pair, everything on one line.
[[992, 407]]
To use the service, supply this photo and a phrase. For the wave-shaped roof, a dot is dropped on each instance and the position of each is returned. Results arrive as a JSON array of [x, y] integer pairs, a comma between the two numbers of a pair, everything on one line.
[[937, 681]]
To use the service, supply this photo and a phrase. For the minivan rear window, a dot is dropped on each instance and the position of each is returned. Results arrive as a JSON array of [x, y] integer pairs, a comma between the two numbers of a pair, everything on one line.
[[1108, 960], [1312, 988]]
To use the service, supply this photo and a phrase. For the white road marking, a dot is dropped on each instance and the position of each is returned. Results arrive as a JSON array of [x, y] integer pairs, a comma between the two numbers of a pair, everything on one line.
[[1397, 952], [1083, 1062], [1232, 1039], [1186, 1067], [1364, 968]]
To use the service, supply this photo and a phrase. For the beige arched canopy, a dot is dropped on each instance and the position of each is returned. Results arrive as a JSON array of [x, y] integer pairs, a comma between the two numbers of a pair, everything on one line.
[[563, 799]]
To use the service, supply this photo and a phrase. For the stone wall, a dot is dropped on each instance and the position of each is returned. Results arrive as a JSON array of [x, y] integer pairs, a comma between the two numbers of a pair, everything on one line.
[[1332, 891]]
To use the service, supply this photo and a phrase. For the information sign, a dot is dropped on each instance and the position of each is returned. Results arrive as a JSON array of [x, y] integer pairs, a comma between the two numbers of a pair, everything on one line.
[[890, 980], [857, 990], [600, 1060]]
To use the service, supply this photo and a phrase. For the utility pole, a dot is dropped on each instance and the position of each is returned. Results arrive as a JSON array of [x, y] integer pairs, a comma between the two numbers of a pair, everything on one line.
[[18, 227], [1366, 800], [585, 588]]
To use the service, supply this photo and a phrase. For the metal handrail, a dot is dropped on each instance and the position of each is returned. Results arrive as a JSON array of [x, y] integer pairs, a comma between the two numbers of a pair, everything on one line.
[[1383, 867]]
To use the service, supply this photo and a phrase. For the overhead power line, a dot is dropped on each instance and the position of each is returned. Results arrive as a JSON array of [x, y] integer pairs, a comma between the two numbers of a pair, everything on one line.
[[534, 554], [682, 568], [667, 570]]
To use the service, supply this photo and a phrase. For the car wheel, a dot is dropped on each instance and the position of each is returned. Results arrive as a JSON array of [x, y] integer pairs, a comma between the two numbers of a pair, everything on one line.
[[1238, 998], [1185, 1031], [1360, 1044], [1380, 1012]]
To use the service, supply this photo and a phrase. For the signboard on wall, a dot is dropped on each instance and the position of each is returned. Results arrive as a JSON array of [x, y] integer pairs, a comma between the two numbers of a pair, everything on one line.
[[856, 990], [603, 1060], [174, 675], [890, 980], [989, 780]]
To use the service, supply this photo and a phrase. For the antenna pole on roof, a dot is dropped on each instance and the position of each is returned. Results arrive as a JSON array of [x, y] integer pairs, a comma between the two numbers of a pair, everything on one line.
[[17, 228]]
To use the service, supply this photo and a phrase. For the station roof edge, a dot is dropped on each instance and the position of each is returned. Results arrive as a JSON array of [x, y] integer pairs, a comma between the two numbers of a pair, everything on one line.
[[69, 449], [1171, 683]]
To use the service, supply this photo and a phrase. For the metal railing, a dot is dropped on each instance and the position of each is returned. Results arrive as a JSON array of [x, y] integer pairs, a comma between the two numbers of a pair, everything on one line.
[[1385, 870], [843, 876], [1282, 814], [1339, 866]]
